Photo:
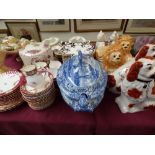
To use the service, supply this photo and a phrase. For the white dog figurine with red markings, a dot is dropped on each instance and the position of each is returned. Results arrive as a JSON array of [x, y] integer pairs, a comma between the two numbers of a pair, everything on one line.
[[146, 50], [138, 87], [115, 78]]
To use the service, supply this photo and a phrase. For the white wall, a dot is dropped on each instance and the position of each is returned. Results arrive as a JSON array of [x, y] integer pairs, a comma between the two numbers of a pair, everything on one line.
[[64, 36]]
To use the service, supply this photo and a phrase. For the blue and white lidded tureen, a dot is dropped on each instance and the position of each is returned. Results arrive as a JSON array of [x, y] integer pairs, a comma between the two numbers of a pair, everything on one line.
[[82, 82]]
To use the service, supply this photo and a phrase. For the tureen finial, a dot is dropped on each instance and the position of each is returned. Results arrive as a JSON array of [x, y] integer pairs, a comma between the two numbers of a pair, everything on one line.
[[80, 58]]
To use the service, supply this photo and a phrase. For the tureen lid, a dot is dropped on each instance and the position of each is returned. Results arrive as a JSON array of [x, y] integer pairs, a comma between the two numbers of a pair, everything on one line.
[[81, 71], [9, 81]]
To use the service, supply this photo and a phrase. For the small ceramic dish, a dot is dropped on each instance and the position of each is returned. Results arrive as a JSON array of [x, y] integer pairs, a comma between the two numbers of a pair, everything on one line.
[[37, 83], [42, 101], [10, 81], [29, 70], [40, 65], [11, 105], [10, 100], [11, 96], [44, 93], [41, 105]]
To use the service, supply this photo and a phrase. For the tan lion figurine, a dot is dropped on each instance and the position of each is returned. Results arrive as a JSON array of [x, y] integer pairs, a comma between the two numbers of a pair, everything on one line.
[[126, 42], [113, 57]]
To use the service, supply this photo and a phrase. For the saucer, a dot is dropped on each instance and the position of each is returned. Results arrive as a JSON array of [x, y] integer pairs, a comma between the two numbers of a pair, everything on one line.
[[11, 80], [44, 79]]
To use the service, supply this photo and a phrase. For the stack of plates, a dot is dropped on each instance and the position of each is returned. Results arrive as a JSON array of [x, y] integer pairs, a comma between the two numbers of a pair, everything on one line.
[[37, 92], [10, 95]]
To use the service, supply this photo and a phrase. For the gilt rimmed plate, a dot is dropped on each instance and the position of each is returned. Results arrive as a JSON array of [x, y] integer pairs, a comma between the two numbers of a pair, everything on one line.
[[48, 81], [9, 82]]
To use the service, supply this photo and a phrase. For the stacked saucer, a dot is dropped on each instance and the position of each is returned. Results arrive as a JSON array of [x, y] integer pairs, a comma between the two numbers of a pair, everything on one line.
[[10, 95], [39, 91]]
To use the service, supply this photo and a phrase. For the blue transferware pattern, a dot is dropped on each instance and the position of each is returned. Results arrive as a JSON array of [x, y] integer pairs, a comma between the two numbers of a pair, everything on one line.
[[82, 82]]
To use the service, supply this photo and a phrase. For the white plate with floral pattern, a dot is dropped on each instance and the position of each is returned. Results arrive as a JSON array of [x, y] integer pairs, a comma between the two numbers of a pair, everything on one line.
[[37, 83], [9, 81]]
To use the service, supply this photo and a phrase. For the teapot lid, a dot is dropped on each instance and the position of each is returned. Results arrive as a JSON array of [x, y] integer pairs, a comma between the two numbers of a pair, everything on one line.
[[33, 49]]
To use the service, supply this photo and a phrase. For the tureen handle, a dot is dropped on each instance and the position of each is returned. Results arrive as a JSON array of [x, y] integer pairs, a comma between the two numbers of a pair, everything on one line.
[[83, 100]]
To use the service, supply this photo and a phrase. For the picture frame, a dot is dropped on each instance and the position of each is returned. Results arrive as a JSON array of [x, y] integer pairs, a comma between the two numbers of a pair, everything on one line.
[[95, 25], [140, 26], [28, 30], [19, 20], [3, 33], [54, 25]]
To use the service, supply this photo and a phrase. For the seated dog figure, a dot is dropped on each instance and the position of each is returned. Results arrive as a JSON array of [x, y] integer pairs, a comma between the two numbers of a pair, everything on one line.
[[137, 85], [115, 78], [147, 50]]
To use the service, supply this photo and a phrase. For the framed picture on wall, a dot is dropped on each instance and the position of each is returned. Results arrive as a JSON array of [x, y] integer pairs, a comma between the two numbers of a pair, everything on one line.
[[3, 33], [19, 20], [54, 25], [140, 26], [94, 25], [28, 30]]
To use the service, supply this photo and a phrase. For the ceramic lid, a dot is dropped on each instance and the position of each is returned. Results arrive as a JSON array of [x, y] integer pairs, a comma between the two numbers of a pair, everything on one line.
[[51, 41], [34, 49], [40, 65], [76, 39], [28, 68], [74, 48], [9, 81], [82, 70]]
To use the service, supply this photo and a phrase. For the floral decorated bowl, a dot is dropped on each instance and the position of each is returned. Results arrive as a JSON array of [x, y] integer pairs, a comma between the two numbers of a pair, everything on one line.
[[33, 53], [82, 82], [10, 95], [69, 49]]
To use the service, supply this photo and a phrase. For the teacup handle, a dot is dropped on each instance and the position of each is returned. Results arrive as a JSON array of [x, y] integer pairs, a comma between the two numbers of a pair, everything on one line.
[[22, 80]]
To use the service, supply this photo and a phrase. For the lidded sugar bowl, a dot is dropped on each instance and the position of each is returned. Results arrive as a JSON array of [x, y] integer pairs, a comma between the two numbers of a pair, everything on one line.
[[33, 53], [82, 82]]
